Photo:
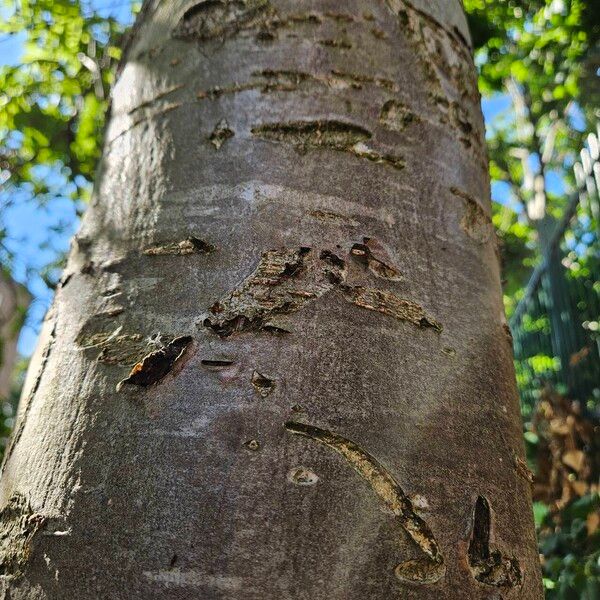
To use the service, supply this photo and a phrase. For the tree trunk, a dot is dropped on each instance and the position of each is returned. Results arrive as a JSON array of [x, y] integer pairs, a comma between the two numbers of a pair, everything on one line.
[[277, 366]]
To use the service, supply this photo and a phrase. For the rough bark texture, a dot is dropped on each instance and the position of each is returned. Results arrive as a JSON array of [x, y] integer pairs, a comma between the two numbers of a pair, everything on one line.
[[277, 366]]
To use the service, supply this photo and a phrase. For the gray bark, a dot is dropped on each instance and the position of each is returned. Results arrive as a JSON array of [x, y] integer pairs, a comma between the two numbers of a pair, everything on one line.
[[278, 366]]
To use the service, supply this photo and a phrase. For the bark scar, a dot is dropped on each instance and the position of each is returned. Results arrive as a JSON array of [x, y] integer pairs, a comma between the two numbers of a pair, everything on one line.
[[475, 222], [489, 566], [156, 365], [372, 256], [332, 134], [221, 133], [283, 282], [262, 384], [222, 19], [217, 363], [271, 80], [191, 245], [428, 569], [388, 303], [396, 116], [286, 280]]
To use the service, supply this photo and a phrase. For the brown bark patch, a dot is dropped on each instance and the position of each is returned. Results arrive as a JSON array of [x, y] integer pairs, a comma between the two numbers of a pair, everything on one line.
[[329, 217], [341, 17], [156, 365], [252, 445], [302, 476], [389, 304], [286, 280], [396, 115], [420, 571], [373, 257], [337, 135], [18, 528], [342, 42], [262, 384], [357, 80], [446, 65], [219, 19], [222, 19], [283, 282], [267, 81], [379, 33], [221, 133], [270, 80]]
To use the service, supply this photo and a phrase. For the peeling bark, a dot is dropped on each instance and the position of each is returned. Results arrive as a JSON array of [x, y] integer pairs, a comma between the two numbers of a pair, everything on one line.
[[191, 245], [158, 364], [288, 271]]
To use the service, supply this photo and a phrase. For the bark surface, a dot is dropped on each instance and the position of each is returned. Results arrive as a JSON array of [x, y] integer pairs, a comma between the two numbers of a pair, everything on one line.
[[277, 366]]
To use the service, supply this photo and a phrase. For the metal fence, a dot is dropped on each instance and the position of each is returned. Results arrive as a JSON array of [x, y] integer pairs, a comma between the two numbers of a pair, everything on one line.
[[556, 325]]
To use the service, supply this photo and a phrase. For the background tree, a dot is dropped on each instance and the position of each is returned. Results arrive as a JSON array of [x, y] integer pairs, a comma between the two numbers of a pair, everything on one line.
[[541, 55], [14, 300]]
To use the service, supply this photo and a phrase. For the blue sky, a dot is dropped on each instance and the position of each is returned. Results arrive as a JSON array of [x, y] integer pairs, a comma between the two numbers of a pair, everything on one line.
[[28, 224], [38, 235]]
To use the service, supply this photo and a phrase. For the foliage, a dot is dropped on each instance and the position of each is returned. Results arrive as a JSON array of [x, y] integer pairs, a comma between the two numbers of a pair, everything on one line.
[[53, 103], [539, 52], [570, 546], [563, 448], [8, 406]]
